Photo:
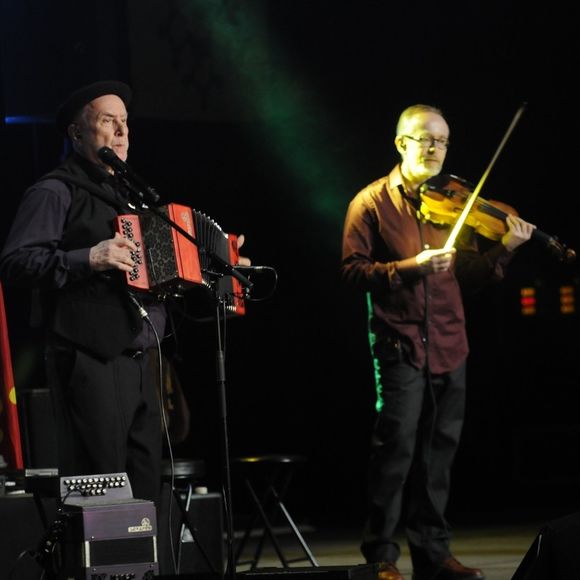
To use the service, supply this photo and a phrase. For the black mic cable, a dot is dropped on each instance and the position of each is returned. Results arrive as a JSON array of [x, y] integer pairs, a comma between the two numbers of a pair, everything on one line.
[[142, 312]]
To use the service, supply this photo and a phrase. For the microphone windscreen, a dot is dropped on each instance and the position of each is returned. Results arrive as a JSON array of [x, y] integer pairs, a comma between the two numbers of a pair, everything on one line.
[[107, 155]]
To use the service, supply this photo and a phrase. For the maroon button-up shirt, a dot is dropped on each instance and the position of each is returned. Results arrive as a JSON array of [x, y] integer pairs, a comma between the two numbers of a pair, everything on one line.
[[426, 312]]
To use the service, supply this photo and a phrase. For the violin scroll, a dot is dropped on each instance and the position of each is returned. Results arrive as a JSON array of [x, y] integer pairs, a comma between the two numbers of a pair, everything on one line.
[[558, 250]]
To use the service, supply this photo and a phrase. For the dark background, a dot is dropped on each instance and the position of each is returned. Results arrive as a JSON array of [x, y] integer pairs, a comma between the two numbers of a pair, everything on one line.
[[269, 115]]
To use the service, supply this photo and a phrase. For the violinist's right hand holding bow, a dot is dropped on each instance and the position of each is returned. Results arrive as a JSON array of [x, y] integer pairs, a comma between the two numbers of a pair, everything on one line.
[[427, 262], [519, 232]]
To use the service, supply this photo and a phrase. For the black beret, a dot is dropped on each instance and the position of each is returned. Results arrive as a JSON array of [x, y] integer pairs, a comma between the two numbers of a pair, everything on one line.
[[81, 97]]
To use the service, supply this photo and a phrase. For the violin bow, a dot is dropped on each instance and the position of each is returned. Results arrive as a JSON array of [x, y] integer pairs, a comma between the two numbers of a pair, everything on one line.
[[474, 195]]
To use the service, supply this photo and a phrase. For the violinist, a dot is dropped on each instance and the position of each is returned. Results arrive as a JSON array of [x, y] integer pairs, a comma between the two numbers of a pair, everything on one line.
[[419, 347]]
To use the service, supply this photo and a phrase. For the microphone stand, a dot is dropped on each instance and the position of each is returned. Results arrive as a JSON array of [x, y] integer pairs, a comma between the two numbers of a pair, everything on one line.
[[140, 199]]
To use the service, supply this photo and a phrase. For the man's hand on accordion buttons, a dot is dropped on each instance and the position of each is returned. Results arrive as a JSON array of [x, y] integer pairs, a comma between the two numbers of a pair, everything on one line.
[[242, 260], [116, 253]]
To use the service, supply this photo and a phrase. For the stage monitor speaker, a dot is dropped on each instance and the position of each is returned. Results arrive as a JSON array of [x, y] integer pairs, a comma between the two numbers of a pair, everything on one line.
[[554, 553], [357, 572], [205, 515], [205, 512]]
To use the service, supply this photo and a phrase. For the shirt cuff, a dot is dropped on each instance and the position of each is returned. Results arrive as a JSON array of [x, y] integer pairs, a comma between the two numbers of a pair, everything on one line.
[[394, 275], [78, 263]]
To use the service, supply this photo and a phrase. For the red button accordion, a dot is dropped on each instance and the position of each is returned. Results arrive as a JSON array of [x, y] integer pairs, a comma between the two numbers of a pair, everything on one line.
[[167, 261]]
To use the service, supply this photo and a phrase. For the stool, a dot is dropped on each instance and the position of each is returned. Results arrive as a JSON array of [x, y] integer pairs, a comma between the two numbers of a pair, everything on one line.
[[186, 471], [186, 474], [276, 470]]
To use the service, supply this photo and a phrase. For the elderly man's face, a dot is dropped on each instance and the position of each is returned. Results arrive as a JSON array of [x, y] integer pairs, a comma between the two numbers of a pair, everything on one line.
[[102, 123]]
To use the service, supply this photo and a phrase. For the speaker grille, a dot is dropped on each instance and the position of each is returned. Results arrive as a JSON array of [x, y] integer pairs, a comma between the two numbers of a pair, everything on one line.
[[122, 551]]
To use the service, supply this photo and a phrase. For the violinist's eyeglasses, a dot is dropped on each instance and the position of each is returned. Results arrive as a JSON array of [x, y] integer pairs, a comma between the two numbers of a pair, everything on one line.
[[429, 141]]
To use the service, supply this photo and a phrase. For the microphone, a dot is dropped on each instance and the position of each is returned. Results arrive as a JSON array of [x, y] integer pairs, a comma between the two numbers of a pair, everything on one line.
[[145, 192]]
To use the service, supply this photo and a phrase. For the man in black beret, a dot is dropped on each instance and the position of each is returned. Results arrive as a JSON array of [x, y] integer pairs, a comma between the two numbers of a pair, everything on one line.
[[75, 102], [63, 245]]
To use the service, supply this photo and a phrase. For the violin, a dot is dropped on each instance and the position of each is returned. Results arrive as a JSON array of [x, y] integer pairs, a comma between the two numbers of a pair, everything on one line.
[[443, 198]]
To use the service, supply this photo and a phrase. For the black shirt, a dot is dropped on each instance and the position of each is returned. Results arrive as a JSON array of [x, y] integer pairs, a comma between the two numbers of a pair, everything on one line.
[[34, 255]]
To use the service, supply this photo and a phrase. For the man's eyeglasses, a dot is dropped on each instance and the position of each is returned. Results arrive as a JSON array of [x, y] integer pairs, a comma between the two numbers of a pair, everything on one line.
[[429, 141]]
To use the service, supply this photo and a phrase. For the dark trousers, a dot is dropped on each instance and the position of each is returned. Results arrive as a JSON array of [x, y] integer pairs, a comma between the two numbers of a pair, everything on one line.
[[414, 443], [107, 416]]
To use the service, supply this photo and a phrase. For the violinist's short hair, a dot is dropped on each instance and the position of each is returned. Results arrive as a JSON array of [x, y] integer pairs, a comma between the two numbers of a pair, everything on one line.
[[415, 110]]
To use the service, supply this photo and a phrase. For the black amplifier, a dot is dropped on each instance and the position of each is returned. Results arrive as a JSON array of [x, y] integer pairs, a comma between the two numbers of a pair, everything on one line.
[[107, 541]]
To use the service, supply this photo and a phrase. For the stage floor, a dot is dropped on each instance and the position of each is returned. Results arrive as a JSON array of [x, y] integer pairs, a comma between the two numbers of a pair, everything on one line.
[[497, 550]]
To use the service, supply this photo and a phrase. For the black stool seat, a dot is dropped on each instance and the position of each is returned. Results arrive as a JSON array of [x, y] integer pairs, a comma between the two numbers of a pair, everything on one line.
[[271, 473], [184, 469]]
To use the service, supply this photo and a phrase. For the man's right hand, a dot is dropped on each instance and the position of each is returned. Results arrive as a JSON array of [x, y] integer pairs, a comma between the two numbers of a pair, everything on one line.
[[112, 254], [433, 261], [427, 262]]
